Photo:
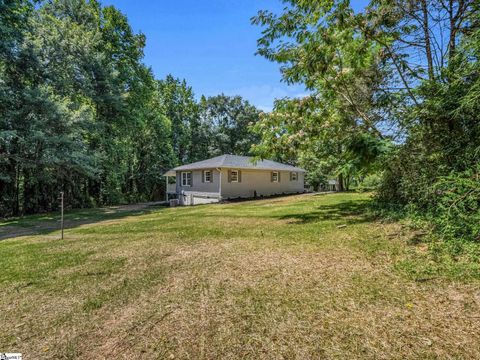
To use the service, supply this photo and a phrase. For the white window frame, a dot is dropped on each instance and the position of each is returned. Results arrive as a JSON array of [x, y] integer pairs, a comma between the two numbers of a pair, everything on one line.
[[236, 176], [275, 176], [294, 176], [186, 180], [210, 175]]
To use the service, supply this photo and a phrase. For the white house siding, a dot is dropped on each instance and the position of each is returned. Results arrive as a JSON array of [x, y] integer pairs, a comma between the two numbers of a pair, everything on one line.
[[251, 181], [260, 181], [198, 185]]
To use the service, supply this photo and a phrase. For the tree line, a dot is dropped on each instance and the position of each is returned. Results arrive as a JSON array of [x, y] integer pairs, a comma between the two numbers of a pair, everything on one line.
[[395, 94], [394, 101], [81, 113]]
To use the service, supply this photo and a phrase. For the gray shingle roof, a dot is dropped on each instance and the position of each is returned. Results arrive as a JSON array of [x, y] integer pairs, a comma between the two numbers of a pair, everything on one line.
[[237, 162]]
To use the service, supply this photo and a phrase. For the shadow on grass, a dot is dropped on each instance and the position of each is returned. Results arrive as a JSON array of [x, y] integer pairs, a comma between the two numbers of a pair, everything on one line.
[[350, 212], [47, 223]]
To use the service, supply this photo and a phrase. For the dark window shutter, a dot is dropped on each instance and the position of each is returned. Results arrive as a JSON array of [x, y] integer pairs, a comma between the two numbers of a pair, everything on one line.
[[203, 176], [279, 176], [229, 176], [239, 176]]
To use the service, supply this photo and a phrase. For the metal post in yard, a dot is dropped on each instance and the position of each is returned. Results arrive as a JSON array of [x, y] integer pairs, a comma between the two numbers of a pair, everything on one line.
[[166, 189], [61, 205]]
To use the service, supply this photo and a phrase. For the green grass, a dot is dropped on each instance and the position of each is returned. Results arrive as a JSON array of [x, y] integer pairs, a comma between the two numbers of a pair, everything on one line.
[[293, 277], [70, 215]]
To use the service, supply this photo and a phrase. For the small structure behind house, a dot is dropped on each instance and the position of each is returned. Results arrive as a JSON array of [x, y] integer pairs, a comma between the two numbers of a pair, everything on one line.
[[332, 185]]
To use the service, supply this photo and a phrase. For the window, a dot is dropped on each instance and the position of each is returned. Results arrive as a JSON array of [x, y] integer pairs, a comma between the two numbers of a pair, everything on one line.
[[234, 176], [187, 178], [207, 176], [274, 176], [293, 176]]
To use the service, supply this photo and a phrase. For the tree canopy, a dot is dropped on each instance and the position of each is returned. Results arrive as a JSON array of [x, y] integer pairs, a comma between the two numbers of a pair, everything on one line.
[[393, 87], [82, 114], [393, 91]]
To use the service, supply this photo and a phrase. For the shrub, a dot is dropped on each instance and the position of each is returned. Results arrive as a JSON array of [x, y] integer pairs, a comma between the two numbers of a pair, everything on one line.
[[370, 182], [457, 205]]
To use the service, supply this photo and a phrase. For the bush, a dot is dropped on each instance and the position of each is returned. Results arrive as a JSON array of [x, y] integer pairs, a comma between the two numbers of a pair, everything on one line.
[[440, 184], [451, 203], [457, 205], [370, 182]]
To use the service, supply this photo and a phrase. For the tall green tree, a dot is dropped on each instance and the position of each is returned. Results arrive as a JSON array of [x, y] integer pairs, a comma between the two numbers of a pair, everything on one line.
[[229, 118], [320, 46], [179, 105], [400, 69], [80, 112], [14, 25]]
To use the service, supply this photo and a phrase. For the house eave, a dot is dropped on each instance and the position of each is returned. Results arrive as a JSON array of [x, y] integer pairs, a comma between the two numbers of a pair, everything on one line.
[[237, 167]]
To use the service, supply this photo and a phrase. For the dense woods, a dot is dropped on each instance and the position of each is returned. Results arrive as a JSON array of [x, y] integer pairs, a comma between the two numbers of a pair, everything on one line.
[[395, 99], [394, 106], [81, 113]]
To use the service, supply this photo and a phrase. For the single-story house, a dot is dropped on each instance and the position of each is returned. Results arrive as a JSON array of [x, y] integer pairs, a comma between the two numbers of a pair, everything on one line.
[[231, 177]]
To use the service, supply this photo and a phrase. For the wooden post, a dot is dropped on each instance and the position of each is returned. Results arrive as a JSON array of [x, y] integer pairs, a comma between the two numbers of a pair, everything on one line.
[[219, 184], [61, 220], [166, 189]]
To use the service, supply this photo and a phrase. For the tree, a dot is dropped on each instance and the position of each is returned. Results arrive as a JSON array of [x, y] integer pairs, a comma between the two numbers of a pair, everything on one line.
[[14, 24], [178, 102], [403, 69], [229, 118], [313, 134], [80, 112], [319, 45]]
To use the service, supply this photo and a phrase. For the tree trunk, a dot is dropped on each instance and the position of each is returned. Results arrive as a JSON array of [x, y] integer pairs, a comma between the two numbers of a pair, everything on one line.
[[347, 183], [340, 182], [453, 32], [16, 210], [428, 48]]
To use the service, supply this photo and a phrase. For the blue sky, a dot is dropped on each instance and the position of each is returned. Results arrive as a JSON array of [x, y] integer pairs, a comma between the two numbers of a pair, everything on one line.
[[211, 44]]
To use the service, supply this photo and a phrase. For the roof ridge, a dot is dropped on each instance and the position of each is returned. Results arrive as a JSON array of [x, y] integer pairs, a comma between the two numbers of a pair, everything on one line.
[[224, 157], [239, 161]]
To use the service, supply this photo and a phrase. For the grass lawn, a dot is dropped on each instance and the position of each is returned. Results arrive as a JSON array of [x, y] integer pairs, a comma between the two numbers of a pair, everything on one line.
[[270, 279]]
